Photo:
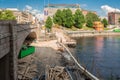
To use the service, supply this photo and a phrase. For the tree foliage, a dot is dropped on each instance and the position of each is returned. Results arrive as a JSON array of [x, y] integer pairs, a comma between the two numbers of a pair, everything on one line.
[[105, 22], [90, 18], [57, 18], [48, 23], [67, 18], [119, 20], [79, 19], [64, 18], [7, 15]]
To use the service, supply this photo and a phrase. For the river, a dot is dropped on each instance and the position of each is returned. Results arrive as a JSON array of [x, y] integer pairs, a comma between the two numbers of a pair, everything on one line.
[[100, 55]]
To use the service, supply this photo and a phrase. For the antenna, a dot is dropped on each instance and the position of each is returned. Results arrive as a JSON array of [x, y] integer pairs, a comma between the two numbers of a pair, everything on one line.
[[48, 4]]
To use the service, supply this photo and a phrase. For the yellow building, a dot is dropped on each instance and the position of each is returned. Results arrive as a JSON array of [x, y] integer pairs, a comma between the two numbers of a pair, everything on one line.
[[97, 25], [21, 16]]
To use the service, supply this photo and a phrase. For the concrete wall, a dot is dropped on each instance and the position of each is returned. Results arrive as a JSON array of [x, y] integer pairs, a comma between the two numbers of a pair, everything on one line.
[[90, 33]]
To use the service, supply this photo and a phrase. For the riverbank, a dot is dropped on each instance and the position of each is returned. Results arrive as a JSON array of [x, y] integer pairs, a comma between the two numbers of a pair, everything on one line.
[[75, 34], [52, 53]]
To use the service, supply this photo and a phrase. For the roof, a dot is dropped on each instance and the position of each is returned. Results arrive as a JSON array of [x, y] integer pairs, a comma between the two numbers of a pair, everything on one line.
[[63, 5], [12, 9], [114, 12]]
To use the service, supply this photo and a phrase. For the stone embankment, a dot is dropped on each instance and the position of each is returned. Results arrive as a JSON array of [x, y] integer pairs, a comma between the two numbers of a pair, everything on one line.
[[75, 34]]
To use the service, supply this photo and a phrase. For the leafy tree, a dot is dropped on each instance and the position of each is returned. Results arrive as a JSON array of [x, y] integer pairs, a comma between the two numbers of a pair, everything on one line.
[[79, 19], [90, 18], [7, 15], [63, 17], [119, 20], [48, 24], [105, 22], [57, 18], [67, 18]]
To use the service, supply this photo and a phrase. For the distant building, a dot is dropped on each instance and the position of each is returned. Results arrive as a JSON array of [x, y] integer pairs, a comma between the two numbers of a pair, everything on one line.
[[113, 18], [23, 17], [85, 12], [51, 9]]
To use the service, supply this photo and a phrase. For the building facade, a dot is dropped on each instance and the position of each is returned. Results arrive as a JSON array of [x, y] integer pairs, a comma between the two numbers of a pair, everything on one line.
[[51, 9], [113, 18], [21, 16], [85, 12]]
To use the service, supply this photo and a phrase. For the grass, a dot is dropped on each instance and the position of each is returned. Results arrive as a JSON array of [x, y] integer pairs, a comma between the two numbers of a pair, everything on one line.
[[106, 29], [87, 28]]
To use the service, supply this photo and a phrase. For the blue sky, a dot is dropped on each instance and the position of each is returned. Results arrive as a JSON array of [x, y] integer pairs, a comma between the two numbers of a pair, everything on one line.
[[94, 5]]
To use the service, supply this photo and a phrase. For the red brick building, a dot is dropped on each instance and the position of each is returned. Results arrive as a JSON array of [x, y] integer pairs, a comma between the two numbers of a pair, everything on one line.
[[113, 18]]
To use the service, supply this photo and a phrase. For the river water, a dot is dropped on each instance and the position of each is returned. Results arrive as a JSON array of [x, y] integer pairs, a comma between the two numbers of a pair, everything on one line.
[[100, 55]]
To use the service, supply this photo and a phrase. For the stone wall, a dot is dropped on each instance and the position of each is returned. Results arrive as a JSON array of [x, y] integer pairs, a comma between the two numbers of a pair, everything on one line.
[[76, 34]]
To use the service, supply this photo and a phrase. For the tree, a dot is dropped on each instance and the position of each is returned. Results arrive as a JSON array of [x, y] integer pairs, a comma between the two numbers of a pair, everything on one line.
[[119, 20], [48, 24], [57, 18], [79, 19], [90, 18], [7, 15], [67, 18], [105, 22]]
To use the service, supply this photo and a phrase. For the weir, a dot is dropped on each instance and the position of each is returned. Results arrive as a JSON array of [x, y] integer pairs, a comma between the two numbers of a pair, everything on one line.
[[82, 69]]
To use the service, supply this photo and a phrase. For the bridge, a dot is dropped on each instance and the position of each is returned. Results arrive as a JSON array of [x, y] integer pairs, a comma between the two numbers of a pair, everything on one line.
[[12, 37]]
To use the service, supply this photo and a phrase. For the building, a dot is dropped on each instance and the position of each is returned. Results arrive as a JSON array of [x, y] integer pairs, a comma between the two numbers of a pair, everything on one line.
[[85, 12], [51, 9], [97, 25], [21, 16], [113, 18]]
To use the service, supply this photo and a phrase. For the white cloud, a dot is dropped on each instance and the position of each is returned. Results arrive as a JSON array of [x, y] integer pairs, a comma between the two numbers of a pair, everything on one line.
[[40, 16], [35, 12], [107, 9], [28, 7]]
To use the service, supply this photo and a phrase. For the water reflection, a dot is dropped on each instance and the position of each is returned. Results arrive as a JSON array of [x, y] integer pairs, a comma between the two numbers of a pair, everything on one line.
[[99, 44], [101, 55]]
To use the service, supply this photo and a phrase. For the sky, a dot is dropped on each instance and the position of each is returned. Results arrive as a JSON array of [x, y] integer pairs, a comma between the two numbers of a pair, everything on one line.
[[102, 7]]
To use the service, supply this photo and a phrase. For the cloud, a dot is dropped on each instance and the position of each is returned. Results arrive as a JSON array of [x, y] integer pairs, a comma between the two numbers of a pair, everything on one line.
[[28, 7], [107, 9], [37, 13], [83, 5]]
